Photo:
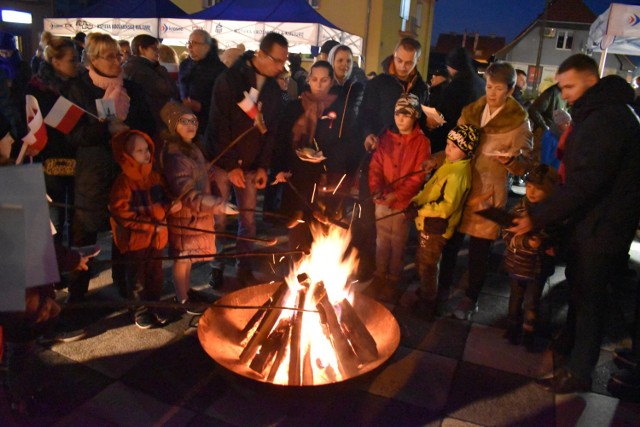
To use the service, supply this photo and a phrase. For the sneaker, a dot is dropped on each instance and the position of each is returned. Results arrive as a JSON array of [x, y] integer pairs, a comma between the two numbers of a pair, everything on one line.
[[162, 318], [465, 309], [193, 306], [145, 320], [216, 278]]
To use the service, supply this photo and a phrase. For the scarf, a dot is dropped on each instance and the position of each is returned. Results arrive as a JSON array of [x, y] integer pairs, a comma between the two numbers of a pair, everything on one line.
[[113, 89], [304, 129]]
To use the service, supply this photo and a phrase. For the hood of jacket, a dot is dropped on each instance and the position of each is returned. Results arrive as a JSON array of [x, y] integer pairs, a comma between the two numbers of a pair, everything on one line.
[[129, 165], [610, 90]]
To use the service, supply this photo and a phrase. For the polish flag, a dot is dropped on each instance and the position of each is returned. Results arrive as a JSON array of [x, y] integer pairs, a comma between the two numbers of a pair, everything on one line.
[[36, 139], [64, 115], [248, 104]]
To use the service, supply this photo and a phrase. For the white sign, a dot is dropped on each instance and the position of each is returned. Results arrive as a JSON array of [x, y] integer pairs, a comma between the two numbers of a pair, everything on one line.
[[116, 27]]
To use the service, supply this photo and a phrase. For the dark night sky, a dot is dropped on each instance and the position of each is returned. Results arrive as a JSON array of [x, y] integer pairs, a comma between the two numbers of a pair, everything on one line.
[[501, 17]]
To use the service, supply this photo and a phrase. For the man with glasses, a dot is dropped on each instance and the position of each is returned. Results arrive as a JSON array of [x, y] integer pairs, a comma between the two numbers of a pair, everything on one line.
[[248, 85], [198, 73]]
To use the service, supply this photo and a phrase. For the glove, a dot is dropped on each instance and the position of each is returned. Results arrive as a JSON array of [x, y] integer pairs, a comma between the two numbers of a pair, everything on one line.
[[411, 212]]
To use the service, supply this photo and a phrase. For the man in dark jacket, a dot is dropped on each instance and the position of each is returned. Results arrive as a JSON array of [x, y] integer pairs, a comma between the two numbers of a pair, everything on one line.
[[465, 87], [198, 73], [601, 200], [382, 92], [243, 160]]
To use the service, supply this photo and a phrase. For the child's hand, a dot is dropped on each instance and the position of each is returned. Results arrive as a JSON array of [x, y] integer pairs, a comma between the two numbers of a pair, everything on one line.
[[429, 165], [371, 142], [281, 177], [411, 212]]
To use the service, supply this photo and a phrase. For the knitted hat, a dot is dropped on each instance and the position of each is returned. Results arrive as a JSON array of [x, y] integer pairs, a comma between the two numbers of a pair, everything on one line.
[[544, 177], [408, 103], [7, 41], [561, 117], [171, 112], [466, 138], [459, 59]]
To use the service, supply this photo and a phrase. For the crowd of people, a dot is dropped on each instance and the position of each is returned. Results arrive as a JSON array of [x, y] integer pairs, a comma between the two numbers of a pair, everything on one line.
[[160, 169]]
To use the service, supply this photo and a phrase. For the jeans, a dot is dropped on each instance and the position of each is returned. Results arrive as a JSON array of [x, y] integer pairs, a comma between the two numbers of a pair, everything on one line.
[[246, 198], [392, 234]]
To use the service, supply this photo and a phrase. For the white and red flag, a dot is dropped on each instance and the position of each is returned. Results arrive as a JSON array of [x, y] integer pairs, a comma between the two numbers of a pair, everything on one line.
[[36, 139], [64, 115], [250, 103]]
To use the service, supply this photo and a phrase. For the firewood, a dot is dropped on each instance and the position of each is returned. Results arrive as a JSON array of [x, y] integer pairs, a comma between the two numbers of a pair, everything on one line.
[[266, 324], [275, 343], [357, 333], [347, 358], [295, 368]]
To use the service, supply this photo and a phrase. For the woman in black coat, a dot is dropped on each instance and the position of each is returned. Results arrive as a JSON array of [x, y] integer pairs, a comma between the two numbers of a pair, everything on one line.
[[58, 68], [95, 166]]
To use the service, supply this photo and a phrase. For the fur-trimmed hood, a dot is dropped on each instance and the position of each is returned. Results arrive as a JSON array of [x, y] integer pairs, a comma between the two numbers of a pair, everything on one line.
[[511, 117]]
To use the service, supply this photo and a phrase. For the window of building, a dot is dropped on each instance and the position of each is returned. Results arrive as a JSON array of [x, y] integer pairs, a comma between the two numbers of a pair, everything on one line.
[[405, 13], [564, 40]]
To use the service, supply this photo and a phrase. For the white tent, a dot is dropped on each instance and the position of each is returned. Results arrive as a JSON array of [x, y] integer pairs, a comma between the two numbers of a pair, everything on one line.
[[247, 21], [616, 31]]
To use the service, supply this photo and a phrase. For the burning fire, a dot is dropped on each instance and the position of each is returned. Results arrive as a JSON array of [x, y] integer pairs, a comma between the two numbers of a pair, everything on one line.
[[317, 345], [310, 329]]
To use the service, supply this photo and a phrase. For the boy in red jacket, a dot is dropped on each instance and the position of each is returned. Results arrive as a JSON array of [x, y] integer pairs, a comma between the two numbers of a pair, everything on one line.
[[399, 154], [137, 198]]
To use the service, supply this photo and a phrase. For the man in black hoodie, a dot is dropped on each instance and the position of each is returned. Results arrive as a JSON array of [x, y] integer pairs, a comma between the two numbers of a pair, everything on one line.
[[601, 200], [246, 86]]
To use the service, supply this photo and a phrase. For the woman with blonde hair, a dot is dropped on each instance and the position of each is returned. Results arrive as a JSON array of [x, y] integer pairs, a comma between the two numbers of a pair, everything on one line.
[[100, 81]]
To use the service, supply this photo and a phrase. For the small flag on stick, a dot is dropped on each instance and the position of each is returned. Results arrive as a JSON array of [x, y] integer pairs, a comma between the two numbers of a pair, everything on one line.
[[64, 115], [36, 139], [248, 103]]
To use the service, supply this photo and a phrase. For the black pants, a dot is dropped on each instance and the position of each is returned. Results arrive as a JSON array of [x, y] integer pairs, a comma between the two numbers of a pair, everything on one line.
[[588, 274]]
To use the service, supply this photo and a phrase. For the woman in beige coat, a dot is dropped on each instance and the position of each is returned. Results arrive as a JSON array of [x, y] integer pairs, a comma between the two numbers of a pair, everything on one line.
[[505, 147]]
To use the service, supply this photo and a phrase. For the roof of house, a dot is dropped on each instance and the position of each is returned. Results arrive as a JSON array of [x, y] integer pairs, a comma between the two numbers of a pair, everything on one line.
[[480, 49], [564, 11]]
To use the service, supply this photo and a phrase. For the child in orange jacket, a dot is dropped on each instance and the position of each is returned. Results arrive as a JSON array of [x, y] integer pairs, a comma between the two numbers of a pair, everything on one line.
[[138, 205]]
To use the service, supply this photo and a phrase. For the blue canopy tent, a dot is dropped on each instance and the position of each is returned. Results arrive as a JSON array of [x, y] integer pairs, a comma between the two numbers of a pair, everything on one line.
[[119, 18], [247, 21]]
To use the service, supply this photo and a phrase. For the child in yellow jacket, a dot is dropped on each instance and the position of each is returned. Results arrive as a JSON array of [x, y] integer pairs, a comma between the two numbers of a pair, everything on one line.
[[439, 208]]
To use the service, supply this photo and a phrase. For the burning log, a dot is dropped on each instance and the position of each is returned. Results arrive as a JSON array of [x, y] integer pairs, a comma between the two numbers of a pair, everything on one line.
[[266, 324], [282, 352], [250, 327], [357, 333], [347, 358], [307, 368], [273, 349], [295, 368]]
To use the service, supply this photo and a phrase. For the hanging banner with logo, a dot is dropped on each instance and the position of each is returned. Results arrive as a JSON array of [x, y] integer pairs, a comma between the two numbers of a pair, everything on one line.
[[117, 27]]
